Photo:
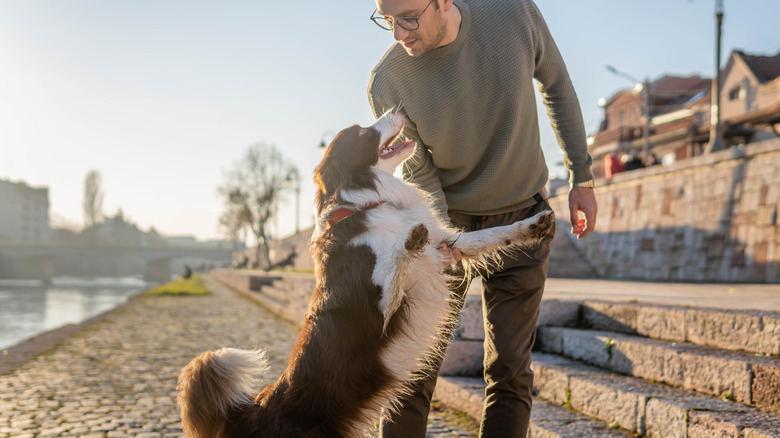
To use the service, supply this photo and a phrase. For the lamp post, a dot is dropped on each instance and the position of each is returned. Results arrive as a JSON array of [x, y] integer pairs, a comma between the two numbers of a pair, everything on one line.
[[325, 135], [645, 107], [716, 142]]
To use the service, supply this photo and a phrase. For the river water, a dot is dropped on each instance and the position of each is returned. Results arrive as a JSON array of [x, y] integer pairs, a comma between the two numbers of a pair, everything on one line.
[[28, 309]]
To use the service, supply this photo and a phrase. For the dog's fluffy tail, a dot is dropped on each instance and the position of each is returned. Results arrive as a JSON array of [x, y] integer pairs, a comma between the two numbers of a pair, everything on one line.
[[216, 383]]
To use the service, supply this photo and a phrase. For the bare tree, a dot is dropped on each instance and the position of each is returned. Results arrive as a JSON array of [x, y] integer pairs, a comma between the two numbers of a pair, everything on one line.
[[252, 191], [236, 216], [93, 199]]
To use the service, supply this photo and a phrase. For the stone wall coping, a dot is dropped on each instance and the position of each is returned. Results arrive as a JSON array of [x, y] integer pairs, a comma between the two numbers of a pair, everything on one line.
[[733, 153]]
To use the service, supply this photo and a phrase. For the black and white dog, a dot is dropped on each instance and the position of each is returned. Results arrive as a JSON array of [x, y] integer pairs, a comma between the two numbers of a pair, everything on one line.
[[377, 315]]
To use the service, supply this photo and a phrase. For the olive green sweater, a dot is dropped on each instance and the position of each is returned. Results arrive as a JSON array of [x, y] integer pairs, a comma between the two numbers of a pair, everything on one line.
[[470, 105]]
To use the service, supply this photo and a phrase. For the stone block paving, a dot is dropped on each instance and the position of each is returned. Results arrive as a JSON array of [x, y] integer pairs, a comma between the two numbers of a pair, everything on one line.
[[117, 377]]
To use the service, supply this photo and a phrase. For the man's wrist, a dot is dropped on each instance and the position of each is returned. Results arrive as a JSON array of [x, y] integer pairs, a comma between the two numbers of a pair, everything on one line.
[[584, 184]]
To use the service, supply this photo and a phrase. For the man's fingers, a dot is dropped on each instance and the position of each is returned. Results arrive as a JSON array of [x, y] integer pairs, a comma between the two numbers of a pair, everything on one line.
[[573, 216], [451, 254]]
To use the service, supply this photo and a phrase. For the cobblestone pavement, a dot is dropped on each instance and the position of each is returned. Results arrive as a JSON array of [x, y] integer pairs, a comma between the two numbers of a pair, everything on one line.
[[117, 378]]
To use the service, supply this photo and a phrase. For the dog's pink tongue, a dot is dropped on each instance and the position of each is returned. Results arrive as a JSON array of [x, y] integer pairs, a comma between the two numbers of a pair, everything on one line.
[[408, 143]]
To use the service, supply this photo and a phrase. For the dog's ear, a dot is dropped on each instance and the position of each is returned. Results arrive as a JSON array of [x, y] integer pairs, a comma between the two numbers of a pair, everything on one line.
[[356, 147]]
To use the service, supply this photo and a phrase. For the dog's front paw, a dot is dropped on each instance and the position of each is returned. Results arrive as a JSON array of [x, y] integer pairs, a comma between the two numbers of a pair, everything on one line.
[[542, 224], [417, 239]]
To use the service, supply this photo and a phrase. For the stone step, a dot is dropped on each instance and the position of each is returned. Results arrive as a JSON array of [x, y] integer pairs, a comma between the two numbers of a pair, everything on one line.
[[284, 282], [738, 330], [559, 313], [547, 420], [753, 331], [280, 295], [645, 408], [258, 280], [742, 377], [293, 280], [269, 302]]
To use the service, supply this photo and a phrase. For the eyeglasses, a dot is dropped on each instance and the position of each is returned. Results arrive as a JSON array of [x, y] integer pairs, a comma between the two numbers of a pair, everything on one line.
[[407, 23]]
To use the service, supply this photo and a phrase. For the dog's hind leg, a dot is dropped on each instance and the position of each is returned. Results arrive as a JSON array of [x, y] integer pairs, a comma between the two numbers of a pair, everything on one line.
[[394, 269]]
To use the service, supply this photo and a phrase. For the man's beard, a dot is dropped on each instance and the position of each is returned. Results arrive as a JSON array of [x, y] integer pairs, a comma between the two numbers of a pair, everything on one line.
[[436, 39]]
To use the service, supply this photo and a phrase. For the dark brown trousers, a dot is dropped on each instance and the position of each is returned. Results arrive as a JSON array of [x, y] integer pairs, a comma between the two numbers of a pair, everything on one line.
[[510, 307]]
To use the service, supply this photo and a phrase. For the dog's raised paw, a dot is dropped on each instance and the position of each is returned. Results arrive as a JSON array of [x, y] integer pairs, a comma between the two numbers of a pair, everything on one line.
[[417, 239], [544, 223]]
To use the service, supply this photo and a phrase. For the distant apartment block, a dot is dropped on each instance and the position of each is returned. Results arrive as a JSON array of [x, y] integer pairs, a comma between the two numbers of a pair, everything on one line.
[[24, 213]]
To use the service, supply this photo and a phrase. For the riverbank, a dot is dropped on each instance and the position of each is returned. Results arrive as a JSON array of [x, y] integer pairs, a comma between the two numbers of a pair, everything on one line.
[[25, 350], [28, 309]]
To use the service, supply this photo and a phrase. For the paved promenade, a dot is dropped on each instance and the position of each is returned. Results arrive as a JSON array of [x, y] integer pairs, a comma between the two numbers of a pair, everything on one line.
[[117, 377], [717, 295]]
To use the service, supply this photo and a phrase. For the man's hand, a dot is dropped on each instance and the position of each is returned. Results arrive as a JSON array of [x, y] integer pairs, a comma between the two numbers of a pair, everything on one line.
[[582, 199], [451, 254]]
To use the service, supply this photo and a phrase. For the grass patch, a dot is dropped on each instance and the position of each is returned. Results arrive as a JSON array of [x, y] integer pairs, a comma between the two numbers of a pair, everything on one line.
[[609, 344], [181, 286]]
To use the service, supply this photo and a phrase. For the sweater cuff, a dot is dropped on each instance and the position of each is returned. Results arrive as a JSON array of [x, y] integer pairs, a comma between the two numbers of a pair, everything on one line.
[[580, 175]]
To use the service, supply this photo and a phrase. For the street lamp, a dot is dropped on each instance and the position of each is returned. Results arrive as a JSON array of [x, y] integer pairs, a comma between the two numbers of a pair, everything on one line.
[[325, 135], [715, 141], [645, 107]]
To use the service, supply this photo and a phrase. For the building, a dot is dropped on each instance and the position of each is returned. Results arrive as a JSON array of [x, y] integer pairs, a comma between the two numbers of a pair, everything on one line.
[[677, 105], [120, 230], [750, 98], [24, 213], [680, 115]]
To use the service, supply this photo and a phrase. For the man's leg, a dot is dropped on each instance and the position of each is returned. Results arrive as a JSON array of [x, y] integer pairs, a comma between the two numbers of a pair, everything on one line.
[[510, 303], [412, 418]]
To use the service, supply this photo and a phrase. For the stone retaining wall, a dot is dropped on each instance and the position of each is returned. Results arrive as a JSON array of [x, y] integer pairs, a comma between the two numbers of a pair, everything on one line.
[[710, 218]]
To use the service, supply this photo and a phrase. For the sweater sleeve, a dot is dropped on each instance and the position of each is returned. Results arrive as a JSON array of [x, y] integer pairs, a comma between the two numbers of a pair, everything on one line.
[[558, 95]]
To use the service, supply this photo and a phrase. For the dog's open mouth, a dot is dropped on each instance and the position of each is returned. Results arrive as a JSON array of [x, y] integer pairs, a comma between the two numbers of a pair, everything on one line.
[[389, 149], [390, 126]]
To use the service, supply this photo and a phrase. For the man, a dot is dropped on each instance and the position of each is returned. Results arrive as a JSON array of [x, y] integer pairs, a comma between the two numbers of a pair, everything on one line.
[[462, 71]]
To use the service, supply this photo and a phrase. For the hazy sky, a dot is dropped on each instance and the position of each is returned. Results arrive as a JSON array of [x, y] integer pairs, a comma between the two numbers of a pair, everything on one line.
[[162, 97]]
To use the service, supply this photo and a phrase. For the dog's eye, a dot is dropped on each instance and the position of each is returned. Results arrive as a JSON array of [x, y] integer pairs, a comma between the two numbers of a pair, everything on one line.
[[362, 131]]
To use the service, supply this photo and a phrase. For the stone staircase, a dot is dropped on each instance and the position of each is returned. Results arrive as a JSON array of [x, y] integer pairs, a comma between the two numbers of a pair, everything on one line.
[[605, 369], [285, 294]]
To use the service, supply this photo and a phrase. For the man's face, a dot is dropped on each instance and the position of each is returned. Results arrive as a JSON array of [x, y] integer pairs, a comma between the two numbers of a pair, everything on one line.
[[429, 35]]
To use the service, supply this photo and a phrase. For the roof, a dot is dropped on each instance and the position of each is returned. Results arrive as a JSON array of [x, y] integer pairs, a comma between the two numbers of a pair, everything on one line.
[[672, 90], [766, 68], [678, 84]]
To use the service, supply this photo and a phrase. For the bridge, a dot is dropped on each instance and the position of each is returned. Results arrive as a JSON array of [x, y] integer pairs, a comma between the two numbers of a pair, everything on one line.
[[154, 262]]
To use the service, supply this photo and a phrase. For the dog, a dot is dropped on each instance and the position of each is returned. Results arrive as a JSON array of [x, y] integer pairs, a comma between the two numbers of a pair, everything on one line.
[[380, 311]]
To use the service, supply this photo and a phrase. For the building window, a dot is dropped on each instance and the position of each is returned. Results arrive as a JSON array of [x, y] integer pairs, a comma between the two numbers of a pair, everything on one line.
[[737, 93]]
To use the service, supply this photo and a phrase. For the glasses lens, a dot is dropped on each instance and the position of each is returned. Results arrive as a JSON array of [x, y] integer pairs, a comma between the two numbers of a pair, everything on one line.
[[408, 23], [384, 23]]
